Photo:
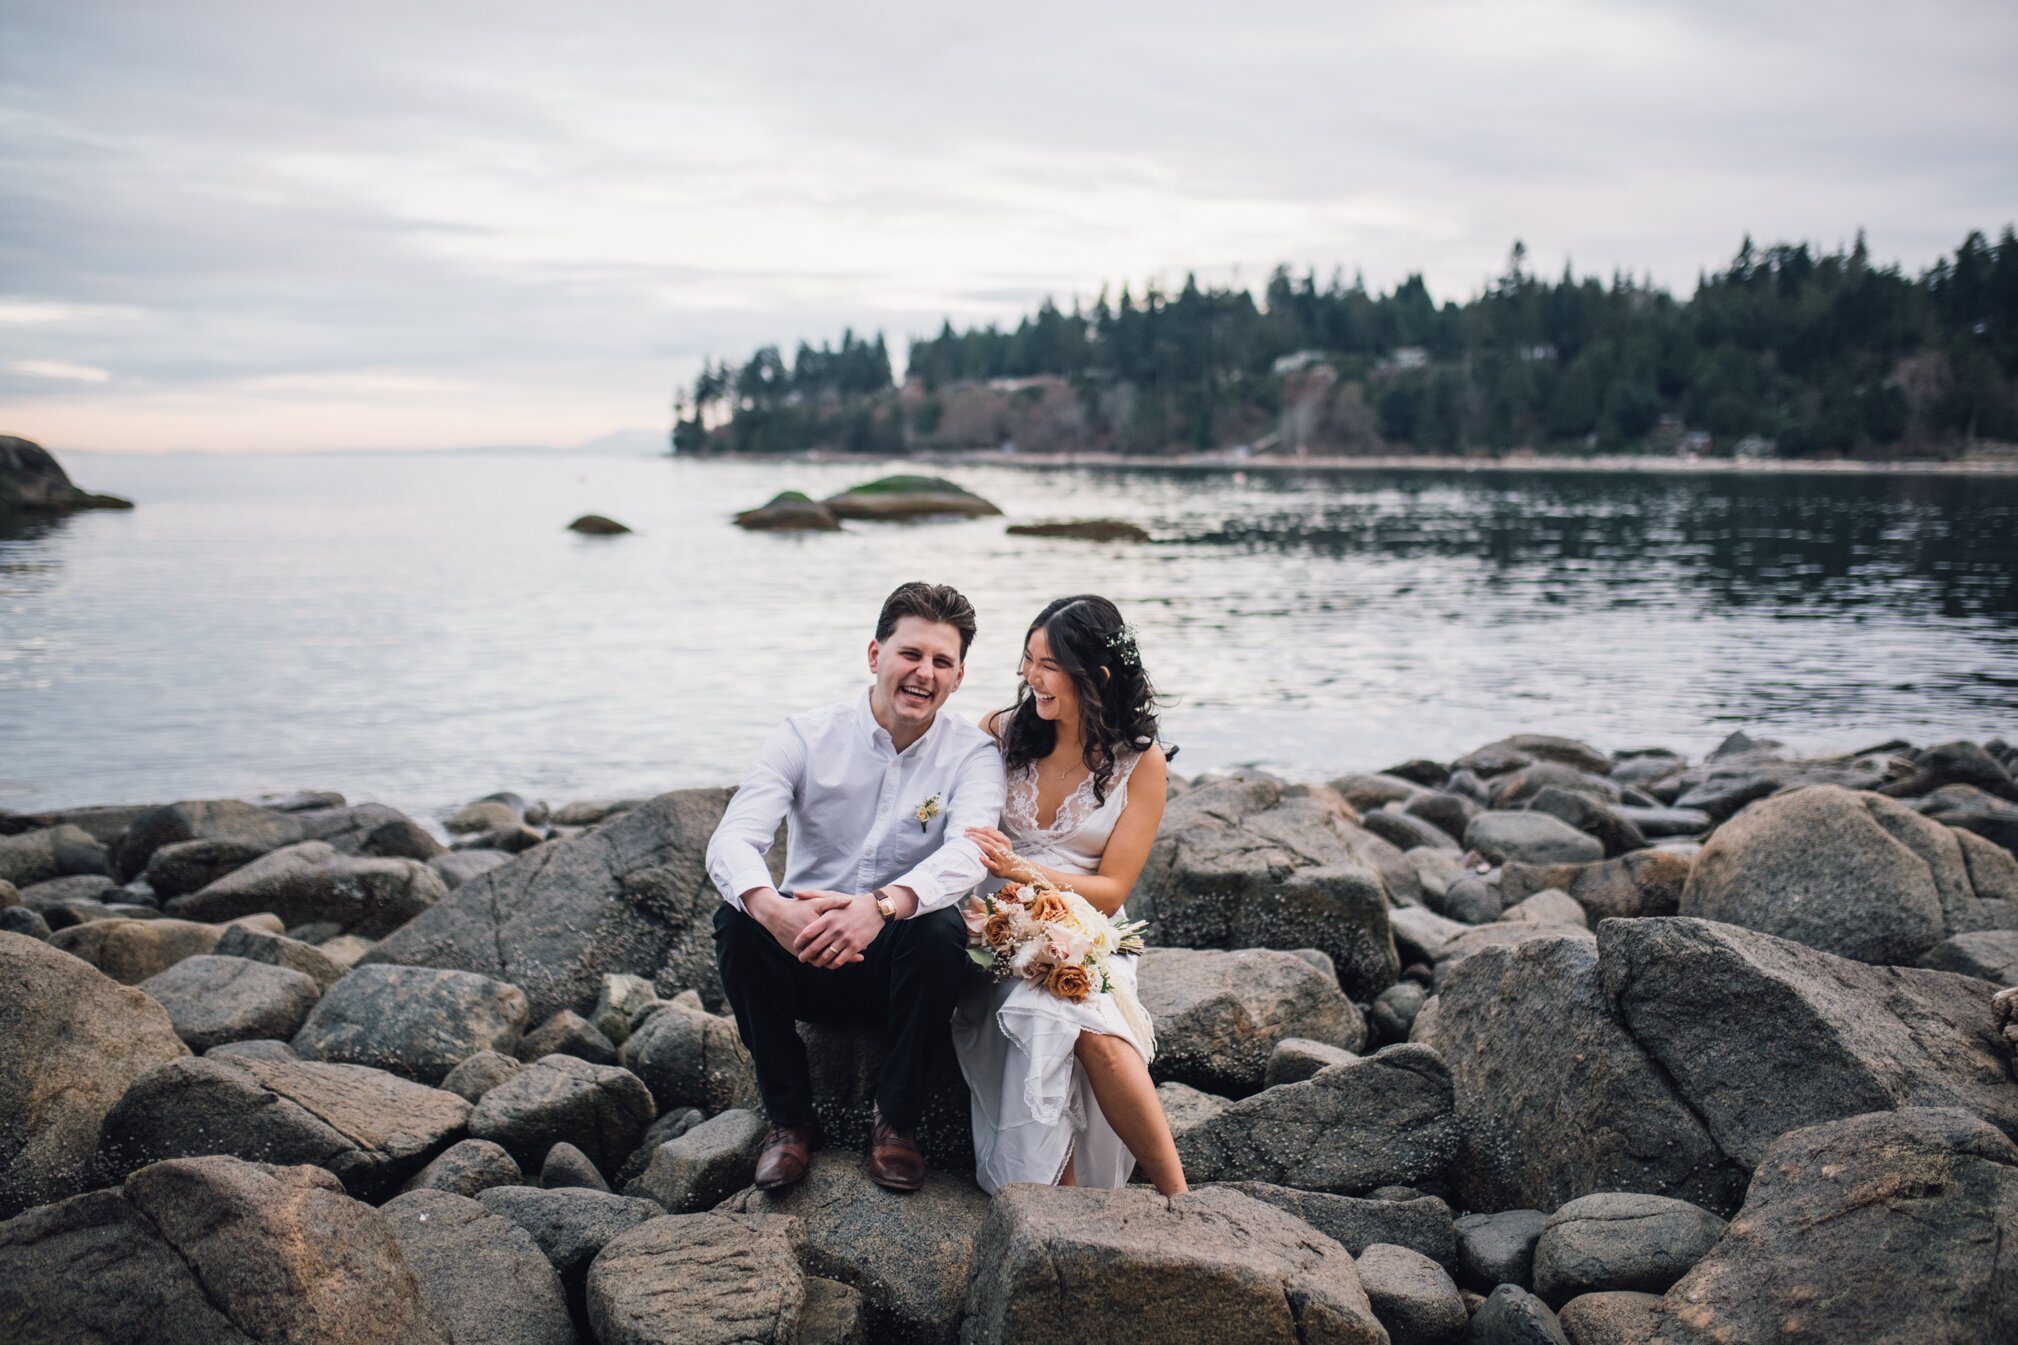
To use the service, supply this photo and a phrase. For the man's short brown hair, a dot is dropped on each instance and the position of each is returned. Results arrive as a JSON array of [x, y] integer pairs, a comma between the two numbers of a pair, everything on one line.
[[940, 603]]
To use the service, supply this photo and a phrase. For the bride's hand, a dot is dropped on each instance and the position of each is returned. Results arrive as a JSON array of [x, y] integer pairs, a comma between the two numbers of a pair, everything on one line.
[[996, 852]]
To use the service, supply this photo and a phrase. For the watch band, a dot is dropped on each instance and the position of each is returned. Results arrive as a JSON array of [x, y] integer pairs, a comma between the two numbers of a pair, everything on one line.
[[885, 905]]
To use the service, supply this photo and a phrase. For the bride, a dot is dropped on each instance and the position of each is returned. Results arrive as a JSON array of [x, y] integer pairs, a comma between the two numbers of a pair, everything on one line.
[[1061, 1091]]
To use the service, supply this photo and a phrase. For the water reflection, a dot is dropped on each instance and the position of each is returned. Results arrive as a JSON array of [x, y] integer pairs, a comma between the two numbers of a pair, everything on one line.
[[1927, 544]]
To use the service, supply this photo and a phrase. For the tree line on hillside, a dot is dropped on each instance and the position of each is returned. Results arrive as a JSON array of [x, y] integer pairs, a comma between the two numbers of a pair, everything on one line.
[[1788, 350]]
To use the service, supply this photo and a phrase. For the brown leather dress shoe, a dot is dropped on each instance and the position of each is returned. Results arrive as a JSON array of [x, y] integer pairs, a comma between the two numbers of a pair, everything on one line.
[[786, 1153], [895, 1160]]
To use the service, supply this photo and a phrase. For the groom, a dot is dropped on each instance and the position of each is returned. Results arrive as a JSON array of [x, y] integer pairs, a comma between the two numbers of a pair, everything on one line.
[[879, 791]]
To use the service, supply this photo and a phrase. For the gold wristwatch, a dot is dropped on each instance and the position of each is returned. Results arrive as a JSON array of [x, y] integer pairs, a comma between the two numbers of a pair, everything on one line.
[[886, 906]]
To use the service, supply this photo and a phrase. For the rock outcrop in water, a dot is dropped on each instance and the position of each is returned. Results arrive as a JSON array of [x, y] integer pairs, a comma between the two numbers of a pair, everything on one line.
[[1482, 1050], [33, 482]]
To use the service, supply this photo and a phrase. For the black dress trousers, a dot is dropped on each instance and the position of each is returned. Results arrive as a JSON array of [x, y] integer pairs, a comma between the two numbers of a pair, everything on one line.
[[907, 982]]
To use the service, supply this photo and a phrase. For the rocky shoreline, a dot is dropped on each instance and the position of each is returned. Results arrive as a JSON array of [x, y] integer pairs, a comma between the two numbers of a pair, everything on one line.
[[1541, 1044]]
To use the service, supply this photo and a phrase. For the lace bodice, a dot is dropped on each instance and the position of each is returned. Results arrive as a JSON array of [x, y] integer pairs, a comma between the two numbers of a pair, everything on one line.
[[1078, 834]]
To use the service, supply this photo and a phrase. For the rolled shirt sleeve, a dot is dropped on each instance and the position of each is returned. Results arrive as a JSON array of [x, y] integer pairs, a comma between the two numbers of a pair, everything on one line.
[[750, 823], [950, 872]]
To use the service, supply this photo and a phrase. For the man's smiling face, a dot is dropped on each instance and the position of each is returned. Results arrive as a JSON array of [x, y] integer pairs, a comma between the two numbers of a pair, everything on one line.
[[916, 669]]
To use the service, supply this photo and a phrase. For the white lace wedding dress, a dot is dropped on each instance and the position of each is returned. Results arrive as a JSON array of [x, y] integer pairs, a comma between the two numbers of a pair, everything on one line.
[[1033, 1107]]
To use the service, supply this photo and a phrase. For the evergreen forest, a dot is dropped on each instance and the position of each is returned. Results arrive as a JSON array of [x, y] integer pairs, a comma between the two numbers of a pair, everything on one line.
[[1788, 351]]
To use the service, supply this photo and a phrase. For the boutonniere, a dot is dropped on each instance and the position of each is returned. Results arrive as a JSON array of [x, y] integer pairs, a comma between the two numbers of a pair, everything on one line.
[[927, 810]]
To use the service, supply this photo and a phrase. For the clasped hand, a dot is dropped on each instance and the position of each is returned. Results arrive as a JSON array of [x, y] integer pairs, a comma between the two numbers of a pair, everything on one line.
[[824, 929]]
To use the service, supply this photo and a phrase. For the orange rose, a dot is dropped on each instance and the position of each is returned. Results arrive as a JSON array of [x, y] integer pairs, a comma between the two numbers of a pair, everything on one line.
[[996, 932], [1049, 906], [1069, 983]]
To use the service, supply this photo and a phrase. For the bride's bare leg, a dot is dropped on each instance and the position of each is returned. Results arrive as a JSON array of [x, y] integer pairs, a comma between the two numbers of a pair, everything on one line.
[[1127, 1098], [1066, 1177]]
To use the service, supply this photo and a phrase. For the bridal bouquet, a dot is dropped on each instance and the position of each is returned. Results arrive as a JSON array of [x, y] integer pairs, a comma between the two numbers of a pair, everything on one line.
[[1060, 943], [1050, 936]]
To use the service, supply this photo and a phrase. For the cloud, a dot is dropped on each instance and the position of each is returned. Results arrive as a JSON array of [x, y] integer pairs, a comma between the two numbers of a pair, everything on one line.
[[81, 373], [536, 220]]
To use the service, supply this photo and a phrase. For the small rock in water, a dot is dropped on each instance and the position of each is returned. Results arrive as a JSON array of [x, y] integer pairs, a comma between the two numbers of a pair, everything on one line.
[[595, 525], [1086, 530], [789, 511]]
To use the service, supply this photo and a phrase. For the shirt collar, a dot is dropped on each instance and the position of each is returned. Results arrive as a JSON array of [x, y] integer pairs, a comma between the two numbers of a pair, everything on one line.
[[880, 737]]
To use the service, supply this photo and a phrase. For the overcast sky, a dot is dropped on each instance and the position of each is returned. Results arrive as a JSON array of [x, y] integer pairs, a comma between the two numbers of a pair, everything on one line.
[[259, 226]]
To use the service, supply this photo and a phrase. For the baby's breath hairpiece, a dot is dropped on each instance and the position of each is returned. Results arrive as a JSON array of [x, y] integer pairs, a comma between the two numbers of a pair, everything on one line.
[[1122, 642]]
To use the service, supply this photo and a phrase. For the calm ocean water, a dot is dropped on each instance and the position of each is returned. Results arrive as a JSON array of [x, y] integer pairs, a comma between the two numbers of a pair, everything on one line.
[[420, 629]]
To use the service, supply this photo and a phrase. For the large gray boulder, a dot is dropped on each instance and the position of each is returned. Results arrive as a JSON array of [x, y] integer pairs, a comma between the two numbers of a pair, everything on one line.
[[232, 821], [1883, 1227], [212, 1000], [1971, 809], [1058, 1263], [1220, 1015], [1989, 955], [1530, 838], [1763, 1035], [1553, 1097], [314, 882], [1422, 1224], [416, 1021], [699, 1279], [570, 1225], [909, 1254], [1254, 863], [1646, 882], [1743, 769], [467, 1168], [1385, 1120], [1618, 833], [705, 1165], [600, 1109], [1618, 1240], [1498, 1248], [241, 940], [71, 1041], [631, 895], [1413, 1296], [689, 1057], [482, 1276], [1524, 749], [185, 866], [1851, 873], [210, 1251], [370, 1129], [49, 853]]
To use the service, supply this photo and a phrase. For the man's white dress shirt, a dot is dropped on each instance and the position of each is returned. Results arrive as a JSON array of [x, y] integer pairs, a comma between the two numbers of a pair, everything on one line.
[[853, 802]]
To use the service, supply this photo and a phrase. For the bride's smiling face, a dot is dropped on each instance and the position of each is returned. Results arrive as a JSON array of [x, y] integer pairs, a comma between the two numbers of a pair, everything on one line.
[[1050, 685]]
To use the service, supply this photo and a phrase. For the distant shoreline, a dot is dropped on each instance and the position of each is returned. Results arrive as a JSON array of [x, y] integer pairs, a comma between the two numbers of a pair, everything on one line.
[[1615, 465]]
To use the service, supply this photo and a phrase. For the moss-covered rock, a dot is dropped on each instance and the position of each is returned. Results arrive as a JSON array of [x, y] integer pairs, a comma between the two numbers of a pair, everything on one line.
[[906, 496]]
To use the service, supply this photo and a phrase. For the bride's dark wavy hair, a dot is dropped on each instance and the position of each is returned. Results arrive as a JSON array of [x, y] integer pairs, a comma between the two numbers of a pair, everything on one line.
[[1093, 646]]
